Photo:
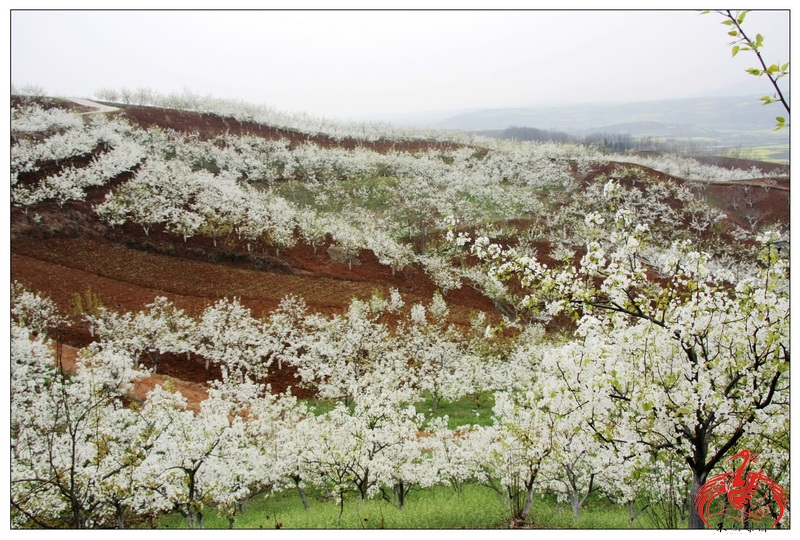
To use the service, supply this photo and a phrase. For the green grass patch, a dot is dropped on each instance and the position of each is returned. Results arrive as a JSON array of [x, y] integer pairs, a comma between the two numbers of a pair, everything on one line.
[[597, 513], [438, 507], [431, 508], [376, 194], [460, 413]]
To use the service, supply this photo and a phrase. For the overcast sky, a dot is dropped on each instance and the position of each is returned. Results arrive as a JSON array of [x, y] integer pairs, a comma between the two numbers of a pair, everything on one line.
[[356, 64]]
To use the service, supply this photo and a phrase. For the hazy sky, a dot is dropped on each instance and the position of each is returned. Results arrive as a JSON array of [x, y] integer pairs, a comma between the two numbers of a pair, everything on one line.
[[353, 64]]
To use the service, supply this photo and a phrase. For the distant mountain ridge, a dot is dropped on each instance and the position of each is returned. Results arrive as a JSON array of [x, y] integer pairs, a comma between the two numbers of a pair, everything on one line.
[[712, 117]]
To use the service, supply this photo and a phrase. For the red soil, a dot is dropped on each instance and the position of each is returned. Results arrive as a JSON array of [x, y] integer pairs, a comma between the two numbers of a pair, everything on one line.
[[210, 125], [192, 391], [63, 252]]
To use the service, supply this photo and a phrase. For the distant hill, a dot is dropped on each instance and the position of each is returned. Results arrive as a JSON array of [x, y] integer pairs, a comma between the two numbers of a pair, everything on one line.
[[736, 120]]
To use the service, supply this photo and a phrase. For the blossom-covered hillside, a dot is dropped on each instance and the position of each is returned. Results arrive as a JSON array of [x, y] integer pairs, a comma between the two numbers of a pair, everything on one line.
[[625, 317]]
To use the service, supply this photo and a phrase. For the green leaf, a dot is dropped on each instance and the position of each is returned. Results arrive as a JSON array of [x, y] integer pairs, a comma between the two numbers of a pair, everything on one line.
[[733, 33], [728, 22], [735, 50], [785, 66], [780, 119], [754, 71], [740, 18]]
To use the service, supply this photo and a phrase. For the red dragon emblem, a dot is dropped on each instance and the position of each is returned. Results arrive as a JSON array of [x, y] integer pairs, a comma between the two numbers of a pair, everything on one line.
[[742, 492]]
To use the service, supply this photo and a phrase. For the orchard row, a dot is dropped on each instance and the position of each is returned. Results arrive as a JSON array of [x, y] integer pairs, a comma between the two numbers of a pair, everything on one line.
[[659, 383]]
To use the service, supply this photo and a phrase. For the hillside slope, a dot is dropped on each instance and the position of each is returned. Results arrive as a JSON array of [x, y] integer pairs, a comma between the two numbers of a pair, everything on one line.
[[67, 250]]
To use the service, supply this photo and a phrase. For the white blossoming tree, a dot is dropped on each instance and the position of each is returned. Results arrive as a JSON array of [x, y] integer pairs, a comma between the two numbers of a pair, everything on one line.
[[72, 445], [343, 355], [371, 448], [687, 358], [160, 328], [231, 337], [438, 353]]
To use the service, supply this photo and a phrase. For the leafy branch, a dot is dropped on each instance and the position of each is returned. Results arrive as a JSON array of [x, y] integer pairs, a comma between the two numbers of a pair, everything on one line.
[[743, 43]]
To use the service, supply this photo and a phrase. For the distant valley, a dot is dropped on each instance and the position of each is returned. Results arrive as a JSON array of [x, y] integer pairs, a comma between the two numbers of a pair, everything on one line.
[[732, 122]]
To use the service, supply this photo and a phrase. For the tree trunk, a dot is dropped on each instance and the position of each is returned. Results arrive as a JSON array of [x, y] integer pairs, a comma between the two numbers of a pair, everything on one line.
[[746, 515], [119, 510], [400, 491], [695, 521], [154, 358], [300, 491], [341, 509], [78, 519], [575, 502], [363, 485], [194, 518], [632, 513], [528, 501]]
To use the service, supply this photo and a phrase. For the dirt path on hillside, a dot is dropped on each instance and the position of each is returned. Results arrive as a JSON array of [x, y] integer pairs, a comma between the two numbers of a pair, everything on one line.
[[100, 108], [756, 182]]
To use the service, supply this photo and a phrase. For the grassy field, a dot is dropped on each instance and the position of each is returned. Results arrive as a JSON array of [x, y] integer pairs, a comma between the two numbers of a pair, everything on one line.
[[477, 507], [769, 152], [438, 507], [463, 412]]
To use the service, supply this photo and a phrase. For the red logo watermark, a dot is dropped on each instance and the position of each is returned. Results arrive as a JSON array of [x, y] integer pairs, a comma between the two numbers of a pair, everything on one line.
[[750, 495]]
